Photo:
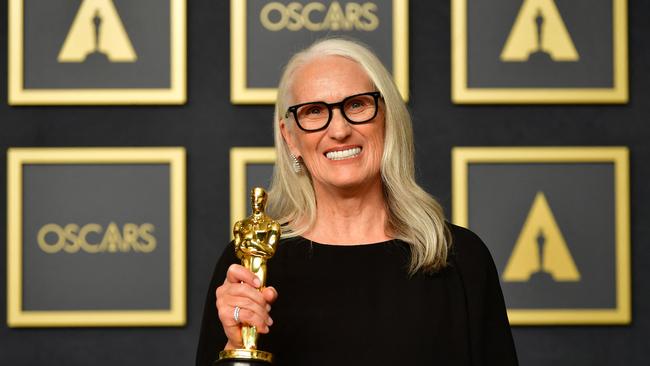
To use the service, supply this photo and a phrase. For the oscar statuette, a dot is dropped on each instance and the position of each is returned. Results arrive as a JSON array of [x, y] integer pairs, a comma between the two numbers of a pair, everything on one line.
[[255, 242]]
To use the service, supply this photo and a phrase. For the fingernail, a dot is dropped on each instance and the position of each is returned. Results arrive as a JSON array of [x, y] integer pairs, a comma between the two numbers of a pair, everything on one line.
[[268, 307], [269, 321], [257, 282]]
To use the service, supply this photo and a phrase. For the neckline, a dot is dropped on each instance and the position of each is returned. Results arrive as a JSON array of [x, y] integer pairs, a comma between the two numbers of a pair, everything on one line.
[[351, 245]]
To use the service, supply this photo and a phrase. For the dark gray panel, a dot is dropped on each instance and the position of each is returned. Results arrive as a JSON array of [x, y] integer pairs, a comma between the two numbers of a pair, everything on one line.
[[589, 23], [101, 194], [47, 22], [268, 51], [581, 198]]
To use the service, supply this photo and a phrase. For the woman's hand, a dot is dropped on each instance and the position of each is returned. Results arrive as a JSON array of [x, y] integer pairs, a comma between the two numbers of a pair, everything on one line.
[[241, 289]]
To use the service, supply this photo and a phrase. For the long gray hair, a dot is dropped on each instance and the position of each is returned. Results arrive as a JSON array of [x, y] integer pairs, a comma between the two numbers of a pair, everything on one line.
[[414, 216]]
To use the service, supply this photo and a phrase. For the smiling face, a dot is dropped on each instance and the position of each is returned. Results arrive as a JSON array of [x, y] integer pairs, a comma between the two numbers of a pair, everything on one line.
[[344, 155]]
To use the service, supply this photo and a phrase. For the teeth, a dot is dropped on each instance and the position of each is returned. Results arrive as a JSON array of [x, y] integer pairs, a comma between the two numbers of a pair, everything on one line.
[[343, 154]]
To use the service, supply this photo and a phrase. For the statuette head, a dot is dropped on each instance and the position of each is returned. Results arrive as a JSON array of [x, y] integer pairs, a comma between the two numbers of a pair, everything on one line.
[[258, 200]]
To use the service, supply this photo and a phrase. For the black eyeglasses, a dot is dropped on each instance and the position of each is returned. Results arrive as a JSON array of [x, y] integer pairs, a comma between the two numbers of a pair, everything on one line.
[[316, 116]]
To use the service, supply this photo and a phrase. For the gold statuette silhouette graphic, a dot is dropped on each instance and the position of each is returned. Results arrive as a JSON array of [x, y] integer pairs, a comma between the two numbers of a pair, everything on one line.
[[541, 248], [256, 238], [97, 32], [539, 32]]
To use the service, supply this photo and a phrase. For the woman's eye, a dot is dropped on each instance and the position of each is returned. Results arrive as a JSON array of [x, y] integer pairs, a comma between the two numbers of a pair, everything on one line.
[[354, 105], [314, 110]]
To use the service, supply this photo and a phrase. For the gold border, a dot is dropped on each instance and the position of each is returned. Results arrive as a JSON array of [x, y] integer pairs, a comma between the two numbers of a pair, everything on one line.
[[239, 158], [462, 94], [17, 158], [240, 93], [619, 156], [175, 94]]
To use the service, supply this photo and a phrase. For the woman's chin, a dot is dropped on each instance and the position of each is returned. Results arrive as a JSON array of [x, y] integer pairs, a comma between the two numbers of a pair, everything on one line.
[[349, 182]]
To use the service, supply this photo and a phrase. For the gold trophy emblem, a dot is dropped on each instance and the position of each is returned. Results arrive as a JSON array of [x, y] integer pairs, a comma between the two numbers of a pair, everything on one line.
[[255, 240]]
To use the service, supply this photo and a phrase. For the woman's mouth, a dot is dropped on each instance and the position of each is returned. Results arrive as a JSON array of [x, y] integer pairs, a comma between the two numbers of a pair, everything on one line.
[[343, 154]]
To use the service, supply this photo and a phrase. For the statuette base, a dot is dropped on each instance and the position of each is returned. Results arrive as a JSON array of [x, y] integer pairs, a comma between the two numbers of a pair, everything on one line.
[[244, 357]]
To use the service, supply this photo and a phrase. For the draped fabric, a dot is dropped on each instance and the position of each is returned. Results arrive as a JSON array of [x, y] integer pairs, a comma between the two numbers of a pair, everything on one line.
[[357, 305]]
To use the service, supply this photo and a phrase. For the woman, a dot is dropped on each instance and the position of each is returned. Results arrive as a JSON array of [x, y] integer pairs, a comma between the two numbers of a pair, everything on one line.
[[366, 273]]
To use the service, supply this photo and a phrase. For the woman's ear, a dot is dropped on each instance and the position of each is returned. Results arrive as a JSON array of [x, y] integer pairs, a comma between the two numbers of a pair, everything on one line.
[[288, 138]]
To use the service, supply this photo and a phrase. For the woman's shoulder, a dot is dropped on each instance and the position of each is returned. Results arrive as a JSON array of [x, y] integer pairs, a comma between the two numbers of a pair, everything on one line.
[[467, 249], [465, 240]]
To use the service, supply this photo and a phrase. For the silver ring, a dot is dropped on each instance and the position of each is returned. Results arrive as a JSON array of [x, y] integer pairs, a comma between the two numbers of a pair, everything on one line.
[[236, 315]]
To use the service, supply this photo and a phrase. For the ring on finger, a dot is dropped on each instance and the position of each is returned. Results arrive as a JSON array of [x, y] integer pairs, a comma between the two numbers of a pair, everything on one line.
[[236, 315]]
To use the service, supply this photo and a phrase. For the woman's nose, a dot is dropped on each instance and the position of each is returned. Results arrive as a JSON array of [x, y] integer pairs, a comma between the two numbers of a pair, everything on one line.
[[339, 127]]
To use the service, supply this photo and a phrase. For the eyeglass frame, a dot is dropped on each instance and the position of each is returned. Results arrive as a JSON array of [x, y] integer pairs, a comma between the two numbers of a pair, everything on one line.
[[330, 107]]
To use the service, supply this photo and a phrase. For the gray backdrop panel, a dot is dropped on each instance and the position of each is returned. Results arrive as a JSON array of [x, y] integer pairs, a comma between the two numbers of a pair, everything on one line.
[[48, 22], [267, 50], [83, 194], [490, 22], [581, 198]]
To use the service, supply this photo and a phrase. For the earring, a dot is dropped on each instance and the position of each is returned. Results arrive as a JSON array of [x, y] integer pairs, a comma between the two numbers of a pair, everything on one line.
[[297, 167]]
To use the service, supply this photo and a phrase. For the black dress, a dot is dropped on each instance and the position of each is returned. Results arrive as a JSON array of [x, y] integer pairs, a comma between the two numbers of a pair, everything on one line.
[[357, 305]]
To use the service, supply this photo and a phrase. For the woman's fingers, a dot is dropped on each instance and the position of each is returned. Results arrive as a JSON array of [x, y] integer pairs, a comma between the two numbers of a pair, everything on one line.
[[244, 290], [241, 289], [238, 273], [261, 322], [243, 299], [250, 313], [254, 316], [269, 294], [234, 333], [240, 282]]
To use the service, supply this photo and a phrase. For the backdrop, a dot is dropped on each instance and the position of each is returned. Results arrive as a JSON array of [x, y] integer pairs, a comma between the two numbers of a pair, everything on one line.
[[208, 125]]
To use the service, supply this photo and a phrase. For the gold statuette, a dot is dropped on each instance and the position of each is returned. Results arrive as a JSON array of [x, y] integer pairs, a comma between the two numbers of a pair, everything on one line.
[[255, 240]]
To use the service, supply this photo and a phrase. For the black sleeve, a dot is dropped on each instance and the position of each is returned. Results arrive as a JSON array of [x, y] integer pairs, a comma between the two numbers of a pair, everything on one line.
[[491, 340], [212, 338]]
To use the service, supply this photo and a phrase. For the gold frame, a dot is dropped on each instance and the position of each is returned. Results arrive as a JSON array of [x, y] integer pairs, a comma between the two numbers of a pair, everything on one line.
[[175, 316], [239, 158], [240, 93], [462, 94], [175, 94], [619, 156]]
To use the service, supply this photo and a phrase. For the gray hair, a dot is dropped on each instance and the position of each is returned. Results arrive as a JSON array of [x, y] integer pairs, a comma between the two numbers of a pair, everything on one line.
[[414, 216]]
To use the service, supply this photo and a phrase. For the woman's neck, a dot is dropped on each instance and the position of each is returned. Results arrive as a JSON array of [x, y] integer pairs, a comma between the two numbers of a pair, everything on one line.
[[357, 216]]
